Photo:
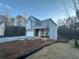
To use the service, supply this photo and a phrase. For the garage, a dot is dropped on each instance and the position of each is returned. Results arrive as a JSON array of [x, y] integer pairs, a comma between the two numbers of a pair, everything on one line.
[[29, 33]]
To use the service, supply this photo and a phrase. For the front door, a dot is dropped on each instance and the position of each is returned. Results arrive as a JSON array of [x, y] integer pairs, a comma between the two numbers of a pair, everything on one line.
[[36, 32]]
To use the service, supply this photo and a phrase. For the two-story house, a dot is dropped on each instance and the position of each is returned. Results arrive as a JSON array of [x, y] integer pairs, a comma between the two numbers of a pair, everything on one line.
[[41, 28]]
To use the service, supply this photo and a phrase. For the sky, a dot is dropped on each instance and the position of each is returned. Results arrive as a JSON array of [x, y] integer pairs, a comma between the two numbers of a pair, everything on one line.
[[41, 9]]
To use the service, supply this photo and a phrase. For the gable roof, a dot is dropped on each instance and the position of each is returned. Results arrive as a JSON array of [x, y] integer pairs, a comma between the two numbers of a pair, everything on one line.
[[34, 20], [49, 19], [39, 22]]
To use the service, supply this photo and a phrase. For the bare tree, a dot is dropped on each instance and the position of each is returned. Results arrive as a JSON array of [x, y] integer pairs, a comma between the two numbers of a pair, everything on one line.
[[60, 22], [6, 12]]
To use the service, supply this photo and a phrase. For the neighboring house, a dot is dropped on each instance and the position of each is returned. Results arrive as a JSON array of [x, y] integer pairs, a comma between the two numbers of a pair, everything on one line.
[[3, 23], [20, 20], [37, 28], [2, 28], [8, 27], [12, 22]]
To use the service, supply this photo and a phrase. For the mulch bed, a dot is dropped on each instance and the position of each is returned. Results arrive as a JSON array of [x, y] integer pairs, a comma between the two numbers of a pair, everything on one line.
[[19, 49]]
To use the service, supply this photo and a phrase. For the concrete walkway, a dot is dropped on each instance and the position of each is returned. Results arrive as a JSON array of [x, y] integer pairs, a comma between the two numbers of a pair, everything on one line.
[[6, 39]]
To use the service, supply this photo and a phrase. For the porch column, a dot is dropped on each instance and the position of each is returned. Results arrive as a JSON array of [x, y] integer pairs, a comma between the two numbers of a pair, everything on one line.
[[39, 34], [33, 33]]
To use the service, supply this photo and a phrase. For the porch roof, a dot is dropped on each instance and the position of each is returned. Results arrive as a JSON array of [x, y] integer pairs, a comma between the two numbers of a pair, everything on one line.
[[41, 27]]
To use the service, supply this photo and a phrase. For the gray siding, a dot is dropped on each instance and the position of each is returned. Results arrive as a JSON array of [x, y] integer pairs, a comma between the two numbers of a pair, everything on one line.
[[53, 31], [28, 24], [45, 24]]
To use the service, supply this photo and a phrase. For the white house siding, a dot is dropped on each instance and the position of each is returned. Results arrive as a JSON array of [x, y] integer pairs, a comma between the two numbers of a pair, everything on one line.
[[32, 24], [45, 24], [30, 33], [53, 31], [28, 24], [2, 29]]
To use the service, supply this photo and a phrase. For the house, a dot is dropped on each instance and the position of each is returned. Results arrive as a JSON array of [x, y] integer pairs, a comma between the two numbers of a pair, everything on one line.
[[2, 29], [3, 23], [12, 22], [36, 28], [17, 27], [20, 20], [12, 26]]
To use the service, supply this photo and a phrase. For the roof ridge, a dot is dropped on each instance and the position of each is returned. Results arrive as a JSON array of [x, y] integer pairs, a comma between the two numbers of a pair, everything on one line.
[[34, 17]]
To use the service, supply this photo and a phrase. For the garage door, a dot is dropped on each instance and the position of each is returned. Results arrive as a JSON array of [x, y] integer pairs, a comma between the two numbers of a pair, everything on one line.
[[30, 33]]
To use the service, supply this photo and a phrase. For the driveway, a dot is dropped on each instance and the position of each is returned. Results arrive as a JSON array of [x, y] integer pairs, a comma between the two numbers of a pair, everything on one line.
[[56, 51]]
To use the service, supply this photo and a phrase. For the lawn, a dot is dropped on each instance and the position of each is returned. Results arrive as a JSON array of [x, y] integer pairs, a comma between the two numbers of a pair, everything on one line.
[[57, 51]]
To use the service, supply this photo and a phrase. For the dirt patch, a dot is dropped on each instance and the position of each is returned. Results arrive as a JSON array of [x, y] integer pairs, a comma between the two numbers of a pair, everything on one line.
[[16, 49]]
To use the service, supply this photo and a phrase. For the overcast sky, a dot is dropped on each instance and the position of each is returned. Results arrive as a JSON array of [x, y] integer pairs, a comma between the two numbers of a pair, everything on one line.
[[41, 9]]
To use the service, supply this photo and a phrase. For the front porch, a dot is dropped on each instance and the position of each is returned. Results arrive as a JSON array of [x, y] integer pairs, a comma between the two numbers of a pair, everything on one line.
[[43, 33]]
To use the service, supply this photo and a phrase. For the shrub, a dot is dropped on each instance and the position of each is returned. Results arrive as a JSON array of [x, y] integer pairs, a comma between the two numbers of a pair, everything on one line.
[[76, 43]]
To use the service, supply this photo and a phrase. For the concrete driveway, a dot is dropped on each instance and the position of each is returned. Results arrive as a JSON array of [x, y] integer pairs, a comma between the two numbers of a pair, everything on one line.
[[56, 51]]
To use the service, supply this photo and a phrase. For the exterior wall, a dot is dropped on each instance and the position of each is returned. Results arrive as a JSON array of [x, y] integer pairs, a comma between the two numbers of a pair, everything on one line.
[[2, 29], [28, 24], [30, 33], [35, 22], [11, 22], [19, 20], [29, 30], [53, 31], [19, 23], [45, 24]]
